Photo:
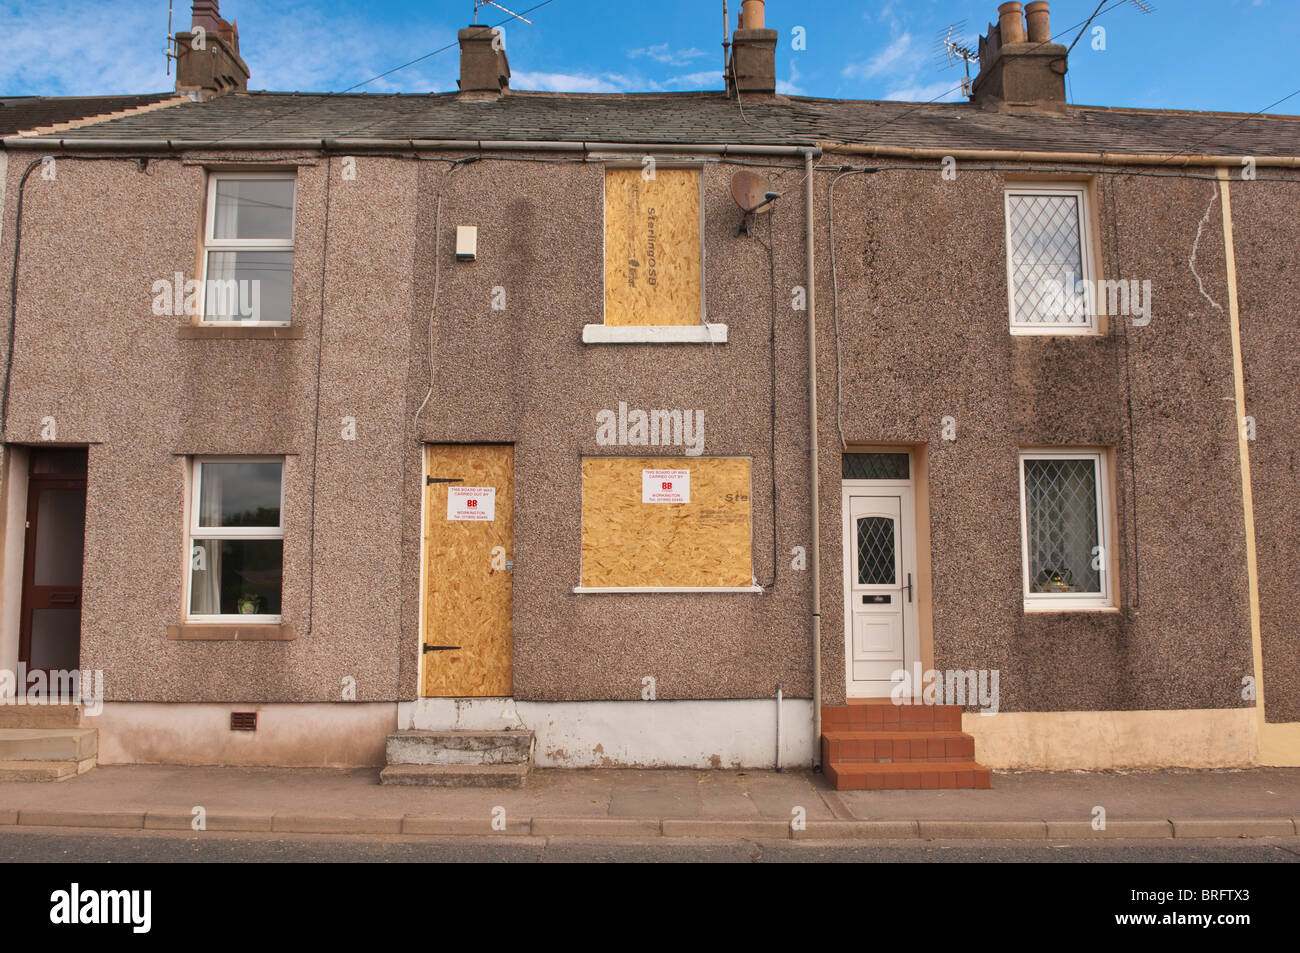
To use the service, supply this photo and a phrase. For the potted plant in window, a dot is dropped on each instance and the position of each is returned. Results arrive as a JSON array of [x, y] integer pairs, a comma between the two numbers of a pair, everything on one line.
[[1055, 580], [249, 603]]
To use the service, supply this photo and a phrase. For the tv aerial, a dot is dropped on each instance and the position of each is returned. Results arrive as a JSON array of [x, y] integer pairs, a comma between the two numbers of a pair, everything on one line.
[[953, 45], [493, 3], [753, 193]]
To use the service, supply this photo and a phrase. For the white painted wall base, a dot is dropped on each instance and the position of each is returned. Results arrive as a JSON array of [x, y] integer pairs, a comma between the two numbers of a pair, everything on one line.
[[686, 734], [1105, 740], [290, 735], [698, 734]]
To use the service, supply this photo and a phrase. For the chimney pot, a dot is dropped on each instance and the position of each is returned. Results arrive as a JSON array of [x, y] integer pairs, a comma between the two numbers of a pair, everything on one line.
[[205, 13], [751, 14], [1038, 15], [1011, 23]]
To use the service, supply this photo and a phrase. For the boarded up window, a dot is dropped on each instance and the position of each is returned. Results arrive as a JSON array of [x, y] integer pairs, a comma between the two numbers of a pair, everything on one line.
[[652, 247], [633, 534]]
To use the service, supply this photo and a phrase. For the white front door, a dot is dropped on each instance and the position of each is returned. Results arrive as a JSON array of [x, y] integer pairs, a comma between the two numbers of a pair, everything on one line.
[[880, 588]]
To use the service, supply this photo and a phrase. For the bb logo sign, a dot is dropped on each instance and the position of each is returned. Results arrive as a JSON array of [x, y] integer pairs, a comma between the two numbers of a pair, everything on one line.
[[472, 503]]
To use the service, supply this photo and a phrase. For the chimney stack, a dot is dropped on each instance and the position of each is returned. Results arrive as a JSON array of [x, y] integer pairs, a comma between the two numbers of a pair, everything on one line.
[[484, 69], [752, 70], [1019, 66], [208, 63]]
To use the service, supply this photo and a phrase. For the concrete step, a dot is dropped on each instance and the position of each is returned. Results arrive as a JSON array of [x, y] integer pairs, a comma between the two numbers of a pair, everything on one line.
[[43, 770], [48, 744], [425, 747], [906, 775], [456, 775], [40, 716]]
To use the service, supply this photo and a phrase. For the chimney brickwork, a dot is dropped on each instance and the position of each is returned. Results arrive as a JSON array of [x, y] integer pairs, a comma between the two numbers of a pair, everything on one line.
[[208, 63], [484, 68], [1019, 65], [753, 54]]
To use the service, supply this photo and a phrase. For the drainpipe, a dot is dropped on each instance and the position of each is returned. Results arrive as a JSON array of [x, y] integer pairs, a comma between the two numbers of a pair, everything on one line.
[[813, 496]]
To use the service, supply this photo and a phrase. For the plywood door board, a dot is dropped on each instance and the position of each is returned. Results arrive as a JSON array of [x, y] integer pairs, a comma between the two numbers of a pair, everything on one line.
[[468, 590]]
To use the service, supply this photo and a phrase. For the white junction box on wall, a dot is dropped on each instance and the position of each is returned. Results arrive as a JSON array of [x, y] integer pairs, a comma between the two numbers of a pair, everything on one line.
[[466, 242]]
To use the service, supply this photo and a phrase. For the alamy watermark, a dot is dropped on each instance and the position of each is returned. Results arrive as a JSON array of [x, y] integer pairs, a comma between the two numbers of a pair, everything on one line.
[[1075, 301], [651, 428], [220, 299], [974, 687], [53, 687]]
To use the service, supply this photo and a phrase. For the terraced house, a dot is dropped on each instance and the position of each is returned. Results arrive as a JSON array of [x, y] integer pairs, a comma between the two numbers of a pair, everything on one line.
[[459, 432]]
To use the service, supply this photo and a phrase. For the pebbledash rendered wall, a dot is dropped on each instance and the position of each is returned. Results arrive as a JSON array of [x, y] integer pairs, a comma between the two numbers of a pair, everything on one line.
[[923, 334]]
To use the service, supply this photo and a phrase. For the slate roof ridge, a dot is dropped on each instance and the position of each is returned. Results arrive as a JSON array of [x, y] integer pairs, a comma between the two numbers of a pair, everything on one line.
[[719, 95]]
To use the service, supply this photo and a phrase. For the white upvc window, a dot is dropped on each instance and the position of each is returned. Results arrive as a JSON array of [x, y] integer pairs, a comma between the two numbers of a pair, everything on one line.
[[1065, 520], [236, 540], [1050, 270], [248, 248]]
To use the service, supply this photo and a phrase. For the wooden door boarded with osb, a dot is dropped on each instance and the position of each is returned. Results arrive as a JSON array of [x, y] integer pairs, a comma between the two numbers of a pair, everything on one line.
[[468, 549]]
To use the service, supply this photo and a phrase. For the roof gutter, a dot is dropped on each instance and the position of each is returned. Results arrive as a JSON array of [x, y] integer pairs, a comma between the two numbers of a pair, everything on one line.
[[1099, 158], [418, 145]]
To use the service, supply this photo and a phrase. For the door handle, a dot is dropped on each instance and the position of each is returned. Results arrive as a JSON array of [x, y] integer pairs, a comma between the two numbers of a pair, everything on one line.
[[441, 648], [908, 587]]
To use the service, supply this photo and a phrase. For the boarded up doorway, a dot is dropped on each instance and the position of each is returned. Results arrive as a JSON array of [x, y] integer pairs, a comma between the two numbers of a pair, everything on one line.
[[468, 559]]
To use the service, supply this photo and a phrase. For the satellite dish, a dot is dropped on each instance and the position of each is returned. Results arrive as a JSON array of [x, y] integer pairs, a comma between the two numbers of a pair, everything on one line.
[[753, 193]]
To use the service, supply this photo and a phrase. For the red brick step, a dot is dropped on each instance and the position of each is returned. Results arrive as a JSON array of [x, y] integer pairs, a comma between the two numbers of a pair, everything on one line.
[[906, 775], [875, 745], [886, 746]]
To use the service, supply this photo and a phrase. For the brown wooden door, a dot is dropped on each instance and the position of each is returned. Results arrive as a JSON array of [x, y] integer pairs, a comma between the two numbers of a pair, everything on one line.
[[468, 560], [49, 635]]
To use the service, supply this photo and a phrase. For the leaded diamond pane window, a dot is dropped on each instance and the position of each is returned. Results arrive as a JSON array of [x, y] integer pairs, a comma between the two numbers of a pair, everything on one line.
[[874, 466], [876, 551], [1048, 267], [1063, 525]]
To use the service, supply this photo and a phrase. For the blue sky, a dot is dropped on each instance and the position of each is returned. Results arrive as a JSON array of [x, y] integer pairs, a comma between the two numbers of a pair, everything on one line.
[[1233, 55]]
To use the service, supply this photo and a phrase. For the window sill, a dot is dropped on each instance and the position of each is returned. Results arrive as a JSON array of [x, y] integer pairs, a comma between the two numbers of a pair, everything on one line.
[[655, 334], [594, 590], [1040, 609], [239, 332], [1054, 331], [226, 632]]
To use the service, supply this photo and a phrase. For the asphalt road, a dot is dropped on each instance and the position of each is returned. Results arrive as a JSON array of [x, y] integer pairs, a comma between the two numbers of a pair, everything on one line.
[[67, 845]]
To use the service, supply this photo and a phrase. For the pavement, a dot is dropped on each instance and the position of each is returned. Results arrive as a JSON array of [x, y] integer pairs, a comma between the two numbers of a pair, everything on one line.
[[74, 846], [665, 803]]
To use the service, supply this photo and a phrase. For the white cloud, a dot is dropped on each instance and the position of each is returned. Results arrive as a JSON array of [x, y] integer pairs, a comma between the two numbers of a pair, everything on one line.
[[901, 56], [570, 82], [662, 53], [116, 46], [790, 87], [928, 93], [55, 49], [706, 79]]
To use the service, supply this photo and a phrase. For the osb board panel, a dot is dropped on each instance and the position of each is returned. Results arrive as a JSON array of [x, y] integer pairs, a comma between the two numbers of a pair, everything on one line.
[[705, 542], [467, 587], [652, 247]]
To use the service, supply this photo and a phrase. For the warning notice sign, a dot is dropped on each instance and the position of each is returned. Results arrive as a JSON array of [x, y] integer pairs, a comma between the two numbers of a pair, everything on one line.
[[665, 486], [474, 503]]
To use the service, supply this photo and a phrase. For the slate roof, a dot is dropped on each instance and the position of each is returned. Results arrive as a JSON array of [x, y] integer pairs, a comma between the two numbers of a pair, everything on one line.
[[700, 118], [18, 113]]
